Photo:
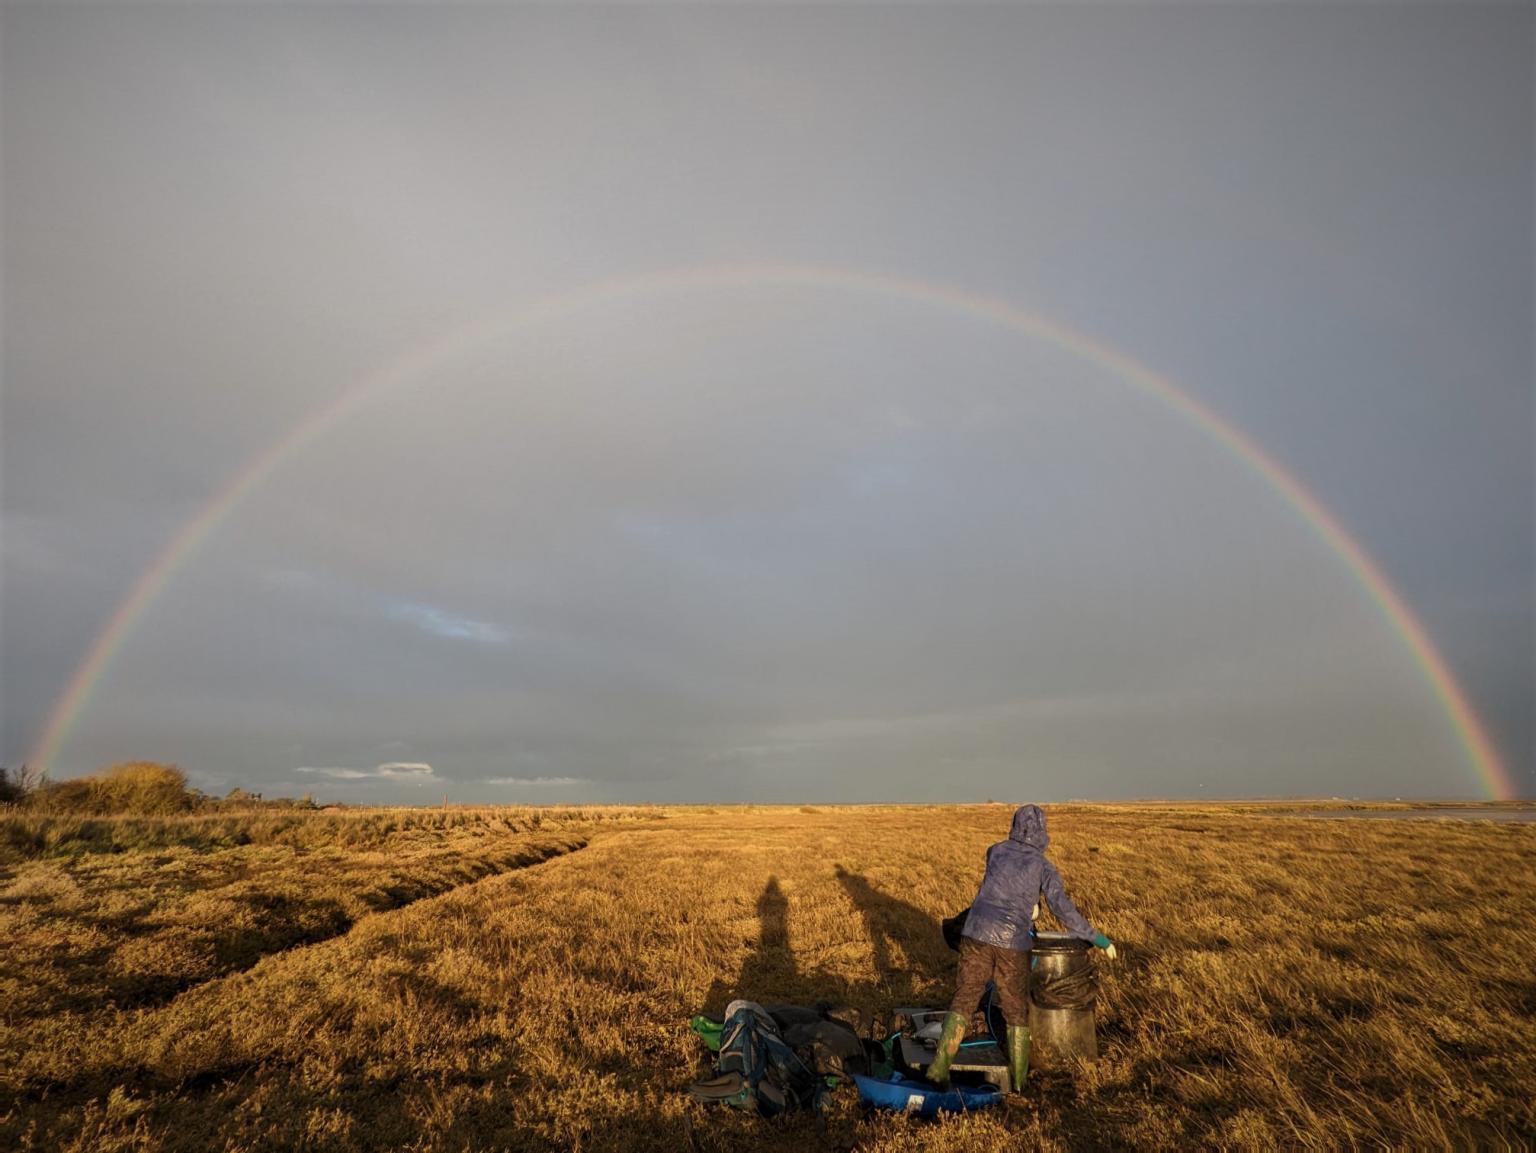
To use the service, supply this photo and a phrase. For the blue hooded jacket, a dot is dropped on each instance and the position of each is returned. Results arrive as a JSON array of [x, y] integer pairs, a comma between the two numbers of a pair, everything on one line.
[[1017, 874]]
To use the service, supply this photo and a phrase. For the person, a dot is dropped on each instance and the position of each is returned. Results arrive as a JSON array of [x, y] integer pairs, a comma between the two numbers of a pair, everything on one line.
[[995, 943]]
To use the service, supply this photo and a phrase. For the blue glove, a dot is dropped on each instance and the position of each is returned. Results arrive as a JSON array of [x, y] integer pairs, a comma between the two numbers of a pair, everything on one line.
[[1102, 942]]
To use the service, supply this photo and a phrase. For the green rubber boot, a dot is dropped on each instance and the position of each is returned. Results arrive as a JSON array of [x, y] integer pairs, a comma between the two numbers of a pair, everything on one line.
[[949, 1045], [1018, 1055]]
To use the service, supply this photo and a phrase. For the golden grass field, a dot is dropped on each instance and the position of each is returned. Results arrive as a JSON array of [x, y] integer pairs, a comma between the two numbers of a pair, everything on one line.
[[522, 978]]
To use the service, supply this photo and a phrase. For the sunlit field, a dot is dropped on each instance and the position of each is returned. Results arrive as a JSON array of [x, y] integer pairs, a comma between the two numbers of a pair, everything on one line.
[[523, 978]]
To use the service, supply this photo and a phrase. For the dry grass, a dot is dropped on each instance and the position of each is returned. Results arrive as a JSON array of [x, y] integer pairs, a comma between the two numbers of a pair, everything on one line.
[[1284, 981]]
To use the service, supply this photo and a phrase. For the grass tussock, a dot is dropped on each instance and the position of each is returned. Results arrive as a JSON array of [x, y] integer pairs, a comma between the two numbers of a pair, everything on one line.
[[1283, 981]]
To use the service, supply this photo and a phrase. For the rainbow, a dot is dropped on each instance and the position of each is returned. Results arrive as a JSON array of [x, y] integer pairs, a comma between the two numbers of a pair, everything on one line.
[[1479, 750]]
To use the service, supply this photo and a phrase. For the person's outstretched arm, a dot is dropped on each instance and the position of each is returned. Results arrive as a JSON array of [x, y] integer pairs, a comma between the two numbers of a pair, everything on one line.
[[1067, 913]]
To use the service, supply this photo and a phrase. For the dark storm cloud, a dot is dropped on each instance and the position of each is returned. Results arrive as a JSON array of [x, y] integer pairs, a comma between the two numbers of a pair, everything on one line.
[[753, 542]]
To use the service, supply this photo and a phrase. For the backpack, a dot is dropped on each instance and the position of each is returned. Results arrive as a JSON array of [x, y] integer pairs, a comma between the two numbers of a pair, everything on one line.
[[757, 1070]]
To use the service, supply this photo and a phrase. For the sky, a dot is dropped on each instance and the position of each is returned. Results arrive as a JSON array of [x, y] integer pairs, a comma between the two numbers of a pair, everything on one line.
[[533, 514]]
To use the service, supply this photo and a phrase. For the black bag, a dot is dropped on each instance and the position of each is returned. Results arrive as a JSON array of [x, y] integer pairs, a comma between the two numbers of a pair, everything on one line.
[[954, 928]]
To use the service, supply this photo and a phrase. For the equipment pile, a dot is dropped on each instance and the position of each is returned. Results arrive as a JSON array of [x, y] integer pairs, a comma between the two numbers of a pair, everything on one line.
[[777, 1059]]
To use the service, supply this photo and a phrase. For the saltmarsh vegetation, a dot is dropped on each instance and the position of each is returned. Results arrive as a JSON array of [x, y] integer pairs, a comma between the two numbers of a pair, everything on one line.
[[1283, 981]]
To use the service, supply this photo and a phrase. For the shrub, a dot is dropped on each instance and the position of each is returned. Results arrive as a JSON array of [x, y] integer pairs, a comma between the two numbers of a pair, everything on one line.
[[144, 787], [73, 796], [16, 785]]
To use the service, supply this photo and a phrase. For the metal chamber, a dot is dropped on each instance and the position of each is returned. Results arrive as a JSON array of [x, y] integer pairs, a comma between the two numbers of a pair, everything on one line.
[[1062, 987]]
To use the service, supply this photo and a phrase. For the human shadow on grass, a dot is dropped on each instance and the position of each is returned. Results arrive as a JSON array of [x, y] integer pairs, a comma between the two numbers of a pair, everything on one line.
[[911, 963], [769, 974], [911, 960]]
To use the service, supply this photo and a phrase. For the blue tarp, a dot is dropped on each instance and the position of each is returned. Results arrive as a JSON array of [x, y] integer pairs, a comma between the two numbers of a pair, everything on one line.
[[923, 1098]]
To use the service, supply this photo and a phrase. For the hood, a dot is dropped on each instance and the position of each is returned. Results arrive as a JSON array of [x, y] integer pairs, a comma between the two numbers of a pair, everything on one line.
[[1029, 827]]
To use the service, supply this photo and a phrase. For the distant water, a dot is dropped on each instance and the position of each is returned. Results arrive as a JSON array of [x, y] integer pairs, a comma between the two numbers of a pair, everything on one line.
[[1518, 815]]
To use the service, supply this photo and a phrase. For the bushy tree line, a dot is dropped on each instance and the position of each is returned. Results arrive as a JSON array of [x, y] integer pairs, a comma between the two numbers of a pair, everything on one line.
[[145, 788]]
